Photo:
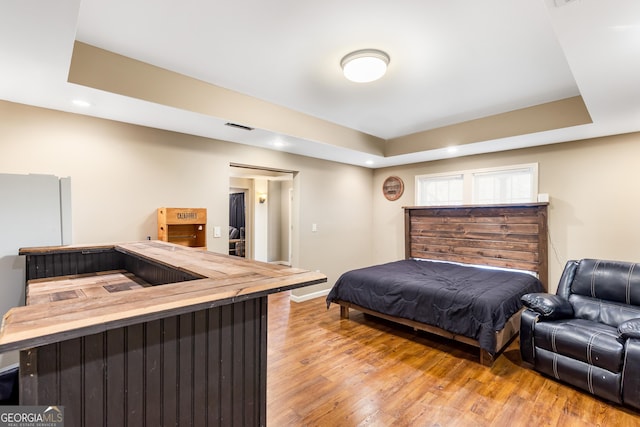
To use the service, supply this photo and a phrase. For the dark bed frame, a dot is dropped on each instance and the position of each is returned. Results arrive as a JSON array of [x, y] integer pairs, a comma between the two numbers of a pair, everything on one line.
[[507, 236]]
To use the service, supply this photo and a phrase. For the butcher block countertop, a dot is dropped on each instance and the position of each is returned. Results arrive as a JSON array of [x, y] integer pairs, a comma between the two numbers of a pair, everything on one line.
[[73, 306]]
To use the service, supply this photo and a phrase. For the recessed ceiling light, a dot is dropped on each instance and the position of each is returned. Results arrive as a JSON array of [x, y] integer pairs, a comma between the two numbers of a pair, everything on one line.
[[625, 27], [452, 150], [81, 103], [369, 162], [366, 65]]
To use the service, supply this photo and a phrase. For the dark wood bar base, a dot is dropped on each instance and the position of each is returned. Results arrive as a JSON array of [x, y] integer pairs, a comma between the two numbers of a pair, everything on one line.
[[202, 368]]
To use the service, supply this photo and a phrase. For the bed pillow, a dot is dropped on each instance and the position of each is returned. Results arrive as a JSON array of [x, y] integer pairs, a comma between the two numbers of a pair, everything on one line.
[[549, 306]]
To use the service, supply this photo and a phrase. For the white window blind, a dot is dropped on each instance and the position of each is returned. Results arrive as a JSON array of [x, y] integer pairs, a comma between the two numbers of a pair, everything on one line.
[[503, 185], [441, 190], [506, 186]]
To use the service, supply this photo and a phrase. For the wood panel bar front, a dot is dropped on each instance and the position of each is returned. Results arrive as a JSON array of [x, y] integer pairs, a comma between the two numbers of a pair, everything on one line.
[[199, 359], [181, 370]]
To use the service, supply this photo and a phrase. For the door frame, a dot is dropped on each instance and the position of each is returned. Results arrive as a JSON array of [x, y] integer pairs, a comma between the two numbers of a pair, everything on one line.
[[250, 173]]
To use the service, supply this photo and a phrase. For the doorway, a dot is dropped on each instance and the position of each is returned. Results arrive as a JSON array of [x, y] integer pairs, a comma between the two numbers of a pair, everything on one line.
[[268, 212], [237, 223]]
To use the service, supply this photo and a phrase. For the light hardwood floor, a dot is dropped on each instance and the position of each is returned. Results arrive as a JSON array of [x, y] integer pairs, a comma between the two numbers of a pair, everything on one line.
[[324, 371]]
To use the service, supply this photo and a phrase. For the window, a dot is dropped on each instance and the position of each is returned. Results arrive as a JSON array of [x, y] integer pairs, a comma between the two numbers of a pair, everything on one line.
[[511, 184], [503, 186], [440, 190]]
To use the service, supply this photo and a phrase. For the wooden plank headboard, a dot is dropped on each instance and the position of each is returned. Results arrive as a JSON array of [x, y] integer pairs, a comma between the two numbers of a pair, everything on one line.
[[510, 236]]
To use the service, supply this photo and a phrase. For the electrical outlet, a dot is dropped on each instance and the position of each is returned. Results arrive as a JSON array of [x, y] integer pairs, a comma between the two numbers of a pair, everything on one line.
[[543, 198], [560, 3]]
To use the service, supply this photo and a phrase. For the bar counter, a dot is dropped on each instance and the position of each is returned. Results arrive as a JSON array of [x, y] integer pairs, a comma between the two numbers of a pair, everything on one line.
[[146, 333]]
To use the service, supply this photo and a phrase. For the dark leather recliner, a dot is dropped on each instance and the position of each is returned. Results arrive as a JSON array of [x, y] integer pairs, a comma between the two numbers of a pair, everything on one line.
[[588, 334]]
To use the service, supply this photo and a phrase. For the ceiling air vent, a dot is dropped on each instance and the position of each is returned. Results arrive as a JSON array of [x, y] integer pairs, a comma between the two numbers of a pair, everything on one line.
[[236, 125]]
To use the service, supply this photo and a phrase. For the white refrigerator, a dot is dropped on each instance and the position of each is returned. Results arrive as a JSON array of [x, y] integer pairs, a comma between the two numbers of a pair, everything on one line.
[[35, 210]]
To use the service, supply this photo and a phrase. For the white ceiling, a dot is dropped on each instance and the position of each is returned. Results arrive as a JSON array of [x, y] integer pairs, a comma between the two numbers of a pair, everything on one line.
[[451, 61]]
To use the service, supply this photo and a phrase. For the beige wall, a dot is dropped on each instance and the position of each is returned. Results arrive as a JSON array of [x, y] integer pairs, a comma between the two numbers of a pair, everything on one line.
[[594, 206], [120, 174]]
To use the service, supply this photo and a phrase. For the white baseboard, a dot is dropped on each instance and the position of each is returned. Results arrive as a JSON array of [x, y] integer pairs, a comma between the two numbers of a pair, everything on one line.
[[286, 263], [9, 359], [307, 297], [8, 368]]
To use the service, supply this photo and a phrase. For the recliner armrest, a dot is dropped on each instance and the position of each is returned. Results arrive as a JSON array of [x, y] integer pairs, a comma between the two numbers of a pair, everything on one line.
[[549, 306], [629, 329], [528, 320], [630, 377]]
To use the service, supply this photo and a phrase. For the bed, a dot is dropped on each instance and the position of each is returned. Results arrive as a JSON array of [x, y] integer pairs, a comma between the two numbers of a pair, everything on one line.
[[464, 272]]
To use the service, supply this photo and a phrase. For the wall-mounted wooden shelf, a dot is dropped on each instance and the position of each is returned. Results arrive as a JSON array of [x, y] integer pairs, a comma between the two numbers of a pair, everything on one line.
[[183, 226]]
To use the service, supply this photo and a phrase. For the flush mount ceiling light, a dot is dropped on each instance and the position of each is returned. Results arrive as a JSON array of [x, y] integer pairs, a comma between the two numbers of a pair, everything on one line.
[[366, 65], [81, 103]]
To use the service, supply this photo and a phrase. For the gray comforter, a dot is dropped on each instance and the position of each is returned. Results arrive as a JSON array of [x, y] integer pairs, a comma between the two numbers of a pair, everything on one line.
[[470, 301]]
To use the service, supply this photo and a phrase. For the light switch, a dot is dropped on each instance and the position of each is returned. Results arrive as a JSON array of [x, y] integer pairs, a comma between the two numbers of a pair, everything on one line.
[[314, 227], [216, 231]]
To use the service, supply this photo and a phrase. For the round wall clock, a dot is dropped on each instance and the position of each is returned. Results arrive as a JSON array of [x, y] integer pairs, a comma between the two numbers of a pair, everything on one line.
[[392, 188]]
